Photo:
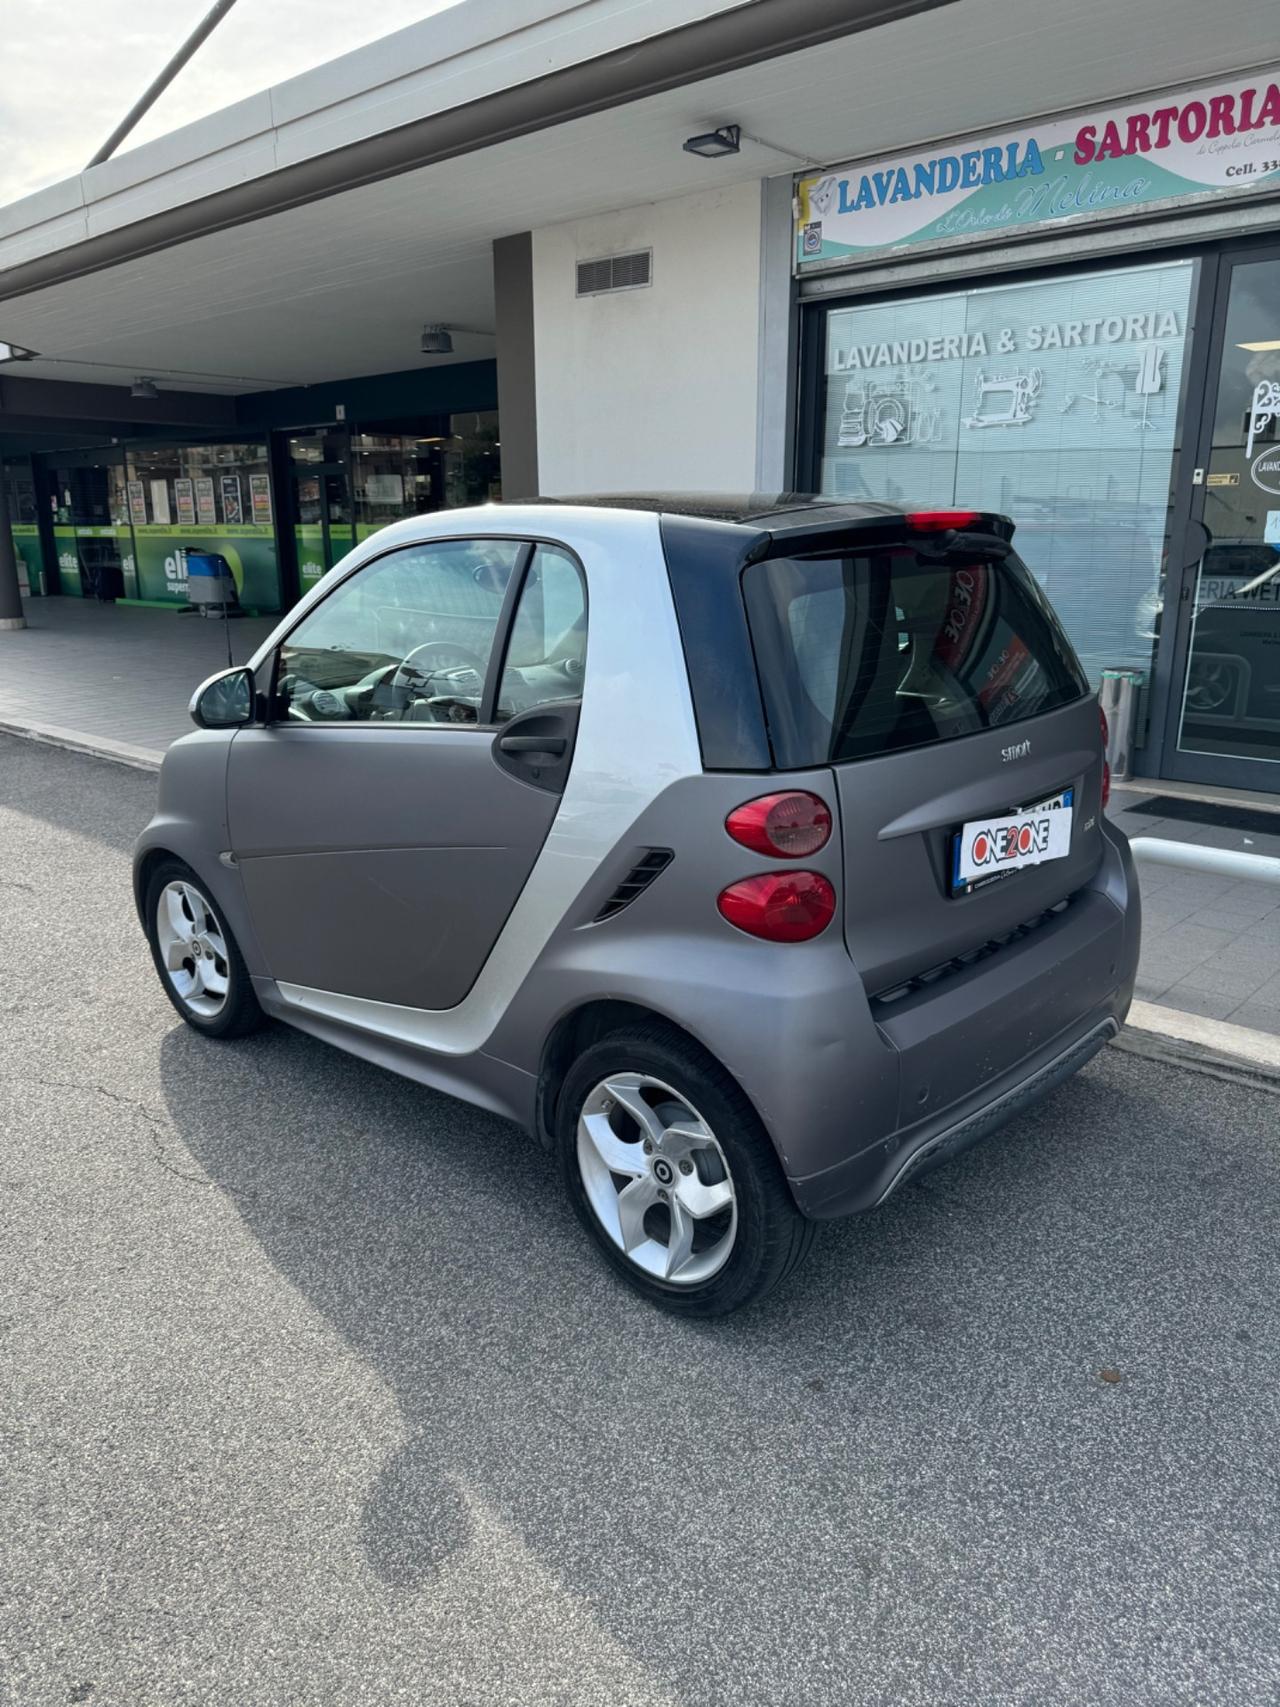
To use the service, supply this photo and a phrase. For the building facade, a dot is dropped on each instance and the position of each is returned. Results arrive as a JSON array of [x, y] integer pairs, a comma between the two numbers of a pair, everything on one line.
[[893, 281]]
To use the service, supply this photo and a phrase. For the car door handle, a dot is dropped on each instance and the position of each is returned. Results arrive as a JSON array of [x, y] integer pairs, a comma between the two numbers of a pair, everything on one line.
[[553, 744]]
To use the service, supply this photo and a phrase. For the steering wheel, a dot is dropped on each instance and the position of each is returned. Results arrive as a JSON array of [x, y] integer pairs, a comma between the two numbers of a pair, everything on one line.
[[412, 672]]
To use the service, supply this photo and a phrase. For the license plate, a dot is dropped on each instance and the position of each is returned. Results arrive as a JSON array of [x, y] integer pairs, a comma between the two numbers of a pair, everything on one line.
[[990, 847]]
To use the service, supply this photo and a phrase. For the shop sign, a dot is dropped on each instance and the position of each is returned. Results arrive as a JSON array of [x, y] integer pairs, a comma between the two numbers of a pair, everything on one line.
[[184, 494], [206, 514], [137, 503], [1264, 471], [250, 554], [1222, 139], [260, 499], [232, 510]]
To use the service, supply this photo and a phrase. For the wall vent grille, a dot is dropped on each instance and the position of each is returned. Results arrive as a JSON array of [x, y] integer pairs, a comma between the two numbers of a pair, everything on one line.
[[615, 272]]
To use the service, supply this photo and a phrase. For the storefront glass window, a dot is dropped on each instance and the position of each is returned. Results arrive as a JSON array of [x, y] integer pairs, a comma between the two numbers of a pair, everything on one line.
[[91, 529], [442, 464], [24, 525], [1055, 402], [209, 498], [1231, 695]]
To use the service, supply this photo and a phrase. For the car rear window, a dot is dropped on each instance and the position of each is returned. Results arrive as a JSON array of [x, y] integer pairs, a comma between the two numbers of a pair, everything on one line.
[[875, 653]]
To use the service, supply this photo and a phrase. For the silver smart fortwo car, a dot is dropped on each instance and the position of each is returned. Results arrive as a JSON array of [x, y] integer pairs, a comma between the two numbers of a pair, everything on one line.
[[749, 852]]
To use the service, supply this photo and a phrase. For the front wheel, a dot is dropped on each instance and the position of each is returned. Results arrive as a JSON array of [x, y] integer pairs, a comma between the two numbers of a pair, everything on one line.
[[198, 959], [670, 1170]]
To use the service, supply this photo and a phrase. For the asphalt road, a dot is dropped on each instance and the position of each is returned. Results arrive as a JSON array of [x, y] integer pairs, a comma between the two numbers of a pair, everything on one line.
[[312, 1392]]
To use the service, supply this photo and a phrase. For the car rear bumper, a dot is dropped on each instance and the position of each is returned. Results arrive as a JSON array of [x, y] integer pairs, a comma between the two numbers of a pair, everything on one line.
[[863, 1181]]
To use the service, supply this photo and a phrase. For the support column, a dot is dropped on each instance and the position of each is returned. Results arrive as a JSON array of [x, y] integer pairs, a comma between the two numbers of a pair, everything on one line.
[[10, 598], [517, 388]]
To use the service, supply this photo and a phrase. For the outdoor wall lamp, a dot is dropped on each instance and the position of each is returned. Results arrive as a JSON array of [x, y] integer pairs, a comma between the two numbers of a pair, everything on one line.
[[145, 388], [711, 144]]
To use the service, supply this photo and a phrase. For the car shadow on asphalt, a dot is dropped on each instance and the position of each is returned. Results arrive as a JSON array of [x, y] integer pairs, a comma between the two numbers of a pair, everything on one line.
[[954, 1334]]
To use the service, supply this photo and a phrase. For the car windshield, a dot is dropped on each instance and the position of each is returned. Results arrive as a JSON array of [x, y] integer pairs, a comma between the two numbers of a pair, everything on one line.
[[866, 654]]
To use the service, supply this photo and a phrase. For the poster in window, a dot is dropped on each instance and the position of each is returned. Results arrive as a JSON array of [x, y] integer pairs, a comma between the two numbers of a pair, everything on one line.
[[185, 495], [206, 513], [160, 503], [260, 499], [232, 509], [137, 503]]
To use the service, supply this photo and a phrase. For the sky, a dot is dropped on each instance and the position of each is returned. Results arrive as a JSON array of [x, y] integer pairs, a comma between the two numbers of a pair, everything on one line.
[[71, 69]]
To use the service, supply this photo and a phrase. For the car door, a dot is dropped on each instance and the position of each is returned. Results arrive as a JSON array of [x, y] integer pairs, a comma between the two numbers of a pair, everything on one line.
[[385, 820]]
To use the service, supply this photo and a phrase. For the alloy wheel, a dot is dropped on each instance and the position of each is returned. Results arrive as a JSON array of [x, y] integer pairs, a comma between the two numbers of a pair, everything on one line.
[[192, 949], [656, 1179]]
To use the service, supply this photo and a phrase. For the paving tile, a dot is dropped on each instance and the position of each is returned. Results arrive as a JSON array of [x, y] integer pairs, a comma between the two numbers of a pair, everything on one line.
[[1204, 1002], [1213, 981], [1257, 1016]]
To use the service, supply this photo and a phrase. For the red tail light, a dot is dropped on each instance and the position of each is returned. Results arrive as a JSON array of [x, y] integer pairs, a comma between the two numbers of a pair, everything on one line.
[[780, 906], [1106, 768], [938, 521], [787, 826]]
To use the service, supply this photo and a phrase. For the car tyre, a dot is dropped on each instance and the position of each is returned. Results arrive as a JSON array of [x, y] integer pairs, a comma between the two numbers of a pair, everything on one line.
[[197, 957], [713, 1229]]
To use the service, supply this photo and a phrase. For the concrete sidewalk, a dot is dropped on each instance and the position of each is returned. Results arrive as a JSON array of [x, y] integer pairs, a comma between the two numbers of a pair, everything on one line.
[[1210, 945], [115, 679]]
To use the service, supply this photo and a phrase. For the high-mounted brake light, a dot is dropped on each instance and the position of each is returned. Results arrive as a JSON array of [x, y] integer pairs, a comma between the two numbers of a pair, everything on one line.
[[938, 521], [780, 906], [786, 826], [1106, 768]]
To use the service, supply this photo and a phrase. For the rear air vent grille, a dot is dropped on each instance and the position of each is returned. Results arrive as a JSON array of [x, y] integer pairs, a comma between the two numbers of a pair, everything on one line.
[[888, 999], [635, 882], [615, 272]]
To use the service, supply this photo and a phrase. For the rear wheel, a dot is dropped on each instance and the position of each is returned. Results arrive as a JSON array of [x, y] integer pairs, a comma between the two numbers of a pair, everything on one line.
[[673, 1175], [198, 959]]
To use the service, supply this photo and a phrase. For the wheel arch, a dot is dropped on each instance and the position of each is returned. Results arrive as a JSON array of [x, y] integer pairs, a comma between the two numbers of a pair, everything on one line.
[[143, 868], [576, 1031]]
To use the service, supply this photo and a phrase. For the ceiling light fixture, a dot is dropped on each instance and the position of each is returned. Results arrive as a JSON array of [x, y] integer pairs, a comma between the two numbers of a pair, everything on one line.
[[145, 388], [712, 144], [437, 341], [1265, 344], [15, 353]]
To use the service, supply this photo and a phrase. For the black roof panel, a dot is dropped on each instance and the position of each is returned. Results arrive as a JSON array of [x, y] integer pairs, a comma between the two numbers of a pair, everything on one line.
[[769, 510]]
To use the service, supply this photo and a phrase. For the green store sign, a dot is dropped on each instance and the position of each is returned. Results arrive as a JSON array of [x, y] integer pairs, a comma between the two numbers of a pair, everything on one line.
[[250, 552]]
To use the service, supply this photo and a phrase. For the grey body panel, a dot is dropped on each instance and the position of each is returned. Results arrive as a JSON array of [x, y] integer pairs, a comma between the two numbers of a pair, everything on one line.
[[190, 821], [377, 861], [898, 815], [839, 1084]]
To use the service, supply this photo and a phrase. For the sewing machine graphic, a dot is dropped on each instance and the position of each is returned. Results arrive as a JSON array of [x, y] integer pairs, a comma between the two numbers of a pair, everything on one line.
[[1005, 400]]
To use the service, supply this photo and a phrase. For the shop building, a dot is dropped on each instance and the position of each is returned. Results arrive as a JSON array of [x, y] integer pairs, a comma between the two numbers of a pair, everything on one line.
[[115, 515], [1077, 321], [895, 281]]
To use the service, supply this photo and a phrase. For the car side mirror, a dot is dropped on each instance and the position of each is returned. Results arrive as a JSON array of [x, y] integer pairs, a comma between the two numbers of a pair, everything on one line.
[[226, 701]]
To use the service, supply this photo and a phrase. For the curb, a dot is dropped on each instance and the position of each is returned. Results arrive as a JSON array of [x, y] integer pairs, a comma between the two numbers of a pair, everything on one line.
[[1210, 1046], [93, 746]]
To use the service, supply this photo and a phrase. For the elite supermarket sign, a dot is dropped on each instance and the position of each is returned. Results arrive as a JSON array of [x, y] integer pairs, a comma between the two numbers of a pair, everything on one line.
[[1223, 139]]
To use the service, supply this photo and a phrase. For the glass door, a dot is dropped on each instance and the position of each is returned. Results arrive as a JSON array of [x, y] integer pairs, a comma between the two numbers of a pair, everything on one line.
[[322, 522], [1228, 705]]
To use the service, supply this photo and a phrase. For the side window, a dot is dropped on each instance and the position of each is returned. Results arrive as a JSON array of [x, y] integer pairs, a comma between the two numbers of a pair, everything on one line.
[[405, 640], [547, 652]]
